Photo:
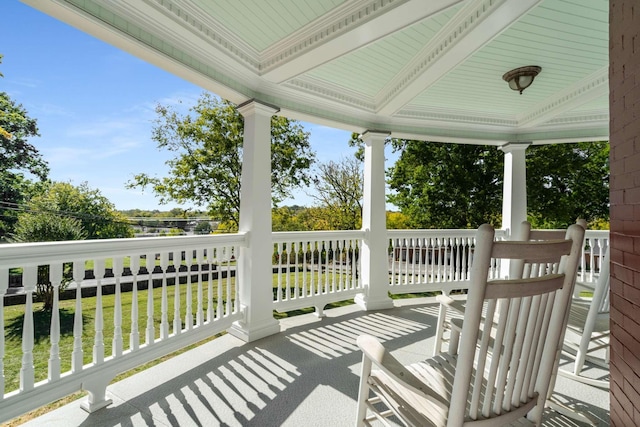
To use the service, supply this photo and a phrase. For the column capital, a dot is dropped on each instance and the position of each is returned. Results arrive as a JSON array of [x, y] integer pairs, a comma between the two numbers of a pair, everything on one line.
[[371, 135], [514, 146], [253, 106]]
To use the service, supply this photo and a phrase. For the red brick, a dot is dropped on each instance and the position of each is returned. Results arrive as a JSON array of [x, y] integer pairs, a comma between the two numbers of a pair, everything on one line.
[[622, 272], [631, 261]]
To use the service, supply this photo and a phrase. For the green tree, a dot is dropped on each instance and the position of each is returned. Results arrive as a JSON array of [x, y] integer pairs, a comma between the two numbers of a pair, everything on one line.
[[17, 156], [47, 227], [208, 157], [438, 185], [339, 191], [566, 182], [96, 213], [446, 185]]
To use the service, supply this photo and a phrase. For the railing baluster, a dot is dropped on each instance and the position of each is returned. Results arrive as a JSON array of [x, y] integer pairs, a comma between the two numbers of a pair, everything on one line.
[[164, 303], [77, 354], [29, 279], [188, 316], [287, 269], [200, 303], [296, 269], [134, 336], [116, 347], [230, 306], [305, 251], [55, 276], [150, 331], [4, 285], [177, 317], [219, 287], [98, 339]]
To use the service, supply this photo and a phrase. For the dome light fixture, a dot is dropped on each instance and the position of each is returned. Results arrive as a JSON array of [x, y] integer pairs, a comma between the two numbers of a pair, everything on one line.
[[521, 78]]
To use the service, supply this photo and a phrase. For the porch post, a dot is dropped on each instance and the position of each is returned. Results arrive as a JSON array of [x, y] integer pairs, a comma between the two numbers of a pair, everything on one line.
[[514, 193], [373, 254], [254, 263]]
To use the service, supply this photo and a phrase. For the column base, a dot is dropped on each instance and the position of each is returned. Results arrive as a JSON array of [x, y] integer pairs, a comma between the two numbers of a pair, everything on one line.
[[240, 330], [367, 303]]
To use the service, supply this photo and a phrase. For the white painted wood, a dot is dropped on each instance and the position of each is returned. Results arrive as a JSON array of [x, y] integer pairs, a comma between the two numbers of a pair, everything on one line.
[[4, 285], [134, 336], [29, 280], [77, 353], [55, 275], [164, 303], [177, 317], [501, 367], [255, 219], [373, 253], [188, 317], [98, 342], [514, 193], [117, 344], [150, 332]]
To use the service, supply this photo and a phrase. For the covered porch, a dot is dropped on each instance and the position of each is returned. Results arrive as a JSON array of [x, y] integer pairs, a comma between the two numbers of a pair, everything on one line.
[[379, 68], [305, 375]]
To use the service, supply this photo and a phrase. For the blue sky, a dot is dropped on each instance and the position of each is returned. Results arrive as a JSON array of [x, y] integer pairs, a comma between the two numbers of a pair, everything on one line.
[[95, 105]]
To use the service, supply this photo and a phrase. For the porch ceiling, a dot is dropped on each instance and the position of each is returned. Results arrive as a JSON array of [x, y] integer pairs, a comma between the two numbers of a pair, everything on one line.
[[415, 68]]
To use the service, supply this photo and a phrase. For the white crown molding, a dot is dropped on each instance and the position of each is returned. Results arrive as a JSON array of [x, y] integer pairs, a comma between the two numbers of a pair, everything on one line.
[[348, 27], [331, 92]]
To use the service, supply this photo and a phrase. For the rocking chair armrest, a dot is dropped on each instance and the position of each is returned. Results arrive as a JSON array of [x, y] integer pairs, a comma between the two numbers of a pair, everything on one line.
[[451, 303], [383, 360]]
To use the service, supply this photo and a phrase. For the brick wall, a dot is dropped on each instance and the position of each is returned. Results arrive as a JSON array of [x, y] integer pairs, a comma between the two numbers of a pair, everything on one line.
[[624, 82]]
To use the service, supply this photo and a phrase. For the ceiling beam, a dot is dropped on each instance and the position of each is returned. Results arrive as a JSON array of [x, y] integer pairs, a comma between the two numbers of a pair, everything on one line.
[[353, 26], [472, 28]]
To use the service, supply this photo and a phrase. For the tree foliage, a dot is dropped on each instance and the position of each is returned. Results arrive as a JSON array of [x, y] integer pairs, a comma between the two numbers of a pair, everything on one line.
[[67, 203], [566, 182], [17, 157], [339, 191], [438, 185], [446, 185], [206, 169]]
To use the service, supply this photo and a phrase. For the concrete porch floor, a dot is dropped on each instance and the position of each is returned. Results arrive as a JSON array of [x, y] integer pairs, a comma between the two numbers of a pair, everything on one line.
[[305, 376]]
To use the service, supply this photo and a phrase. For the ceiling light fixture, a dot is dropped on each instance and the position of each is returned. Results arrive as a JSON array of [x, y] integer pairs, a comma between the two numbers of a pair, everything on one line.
[[521, 78]]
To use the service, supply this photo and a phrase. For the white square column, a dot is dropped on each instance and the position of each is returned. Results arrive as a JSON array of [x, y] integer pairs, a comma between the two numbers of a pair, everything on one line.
[[514, 193], [254, 264], [373, 253]]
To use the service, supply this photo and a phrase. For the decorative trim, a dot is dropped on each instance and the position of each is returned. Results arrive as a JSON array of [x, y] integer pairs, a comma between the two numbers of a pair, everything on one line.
[[195, 22], [326, 27], [455, 117], [455, 30], [587, 86], [331, 92]]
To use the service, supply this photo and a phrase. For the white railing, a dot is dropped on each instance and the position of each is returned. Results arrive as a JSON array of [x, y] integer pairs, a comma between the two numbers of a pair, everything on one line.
[[431, 260], [195, 289], [315, 268], [177, 291], [596, 243], [440, 260]]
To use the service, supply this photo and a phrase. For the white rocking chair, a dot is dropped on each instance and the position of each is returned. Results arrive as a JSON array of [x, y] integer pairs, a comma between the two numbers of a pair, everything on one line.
[[450, 306], [503, 368], [587, 336]]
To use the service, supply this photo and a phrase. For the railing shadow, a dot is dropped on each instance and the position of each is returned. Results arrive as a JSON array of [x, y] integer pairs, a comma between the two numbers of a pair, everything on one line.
[[306, 375], [42, 324]]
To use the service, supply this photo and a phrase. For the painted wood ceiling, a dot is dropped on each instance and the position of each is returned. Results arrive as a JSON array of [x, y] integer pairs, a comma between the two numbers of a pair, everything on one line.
[[425, 69]]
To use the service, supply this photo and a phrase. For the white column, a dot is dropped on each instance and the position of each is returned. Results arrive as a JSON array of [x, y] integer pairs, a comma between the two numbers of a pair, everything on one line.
[[254, 264], [373, 254], [514, 194]]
